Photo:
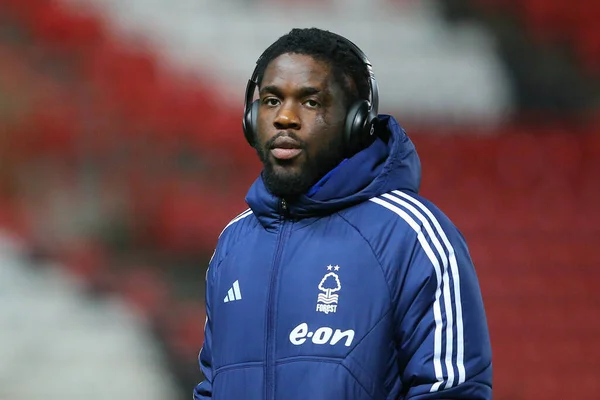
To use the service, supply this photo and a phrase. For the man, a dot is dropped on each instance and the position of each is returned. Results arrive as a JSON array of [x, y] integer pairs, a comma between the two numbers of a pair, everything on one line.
[[340, 281]]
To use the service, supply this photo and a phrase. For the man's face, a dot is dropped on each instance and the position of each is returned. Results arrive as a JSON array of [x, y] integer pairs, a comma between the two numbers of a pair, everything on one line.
[[300, 123]]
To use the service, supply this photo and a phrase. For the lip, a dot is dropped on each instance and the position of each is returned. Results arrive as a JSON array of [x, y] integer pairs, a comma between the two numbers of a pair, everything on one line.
[[285, 154], [285, 148]]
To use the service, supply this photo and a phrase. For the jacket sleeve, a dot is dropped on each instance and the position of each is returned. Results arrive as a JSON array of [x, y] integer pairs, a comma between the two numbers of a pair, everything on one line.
[[443, 345], [203, 390]]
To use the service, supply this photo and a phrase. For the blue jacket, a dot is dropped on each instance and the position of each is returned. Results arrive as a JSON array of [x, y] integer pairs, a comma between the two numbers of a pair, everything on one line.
[[360, 290]]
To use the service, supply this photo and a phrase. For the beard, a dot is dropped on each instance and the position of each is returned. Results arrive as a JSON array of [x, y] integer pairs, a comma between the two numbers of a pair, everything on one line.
[[291, 183]]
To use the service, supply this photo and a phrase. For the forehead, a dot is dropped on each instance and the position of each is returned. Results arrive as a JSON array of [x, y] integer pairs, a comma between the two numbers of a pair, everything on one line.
[[291, 69]]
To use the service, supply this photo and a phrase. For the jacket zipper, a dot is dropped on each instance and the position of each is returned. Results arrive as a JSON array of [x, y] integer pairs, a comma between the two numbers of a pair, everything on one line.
[[272, 299]]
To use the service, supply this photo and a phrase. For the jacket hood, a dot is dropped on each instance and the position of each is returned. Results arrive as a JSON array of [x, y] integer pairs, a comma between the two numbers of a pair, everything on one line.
[[390, 163]]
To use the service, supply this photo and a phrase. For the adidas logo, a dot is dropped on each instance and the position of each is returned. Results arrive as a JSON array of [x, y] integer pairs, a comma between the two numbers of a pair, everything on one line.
[[234, 293]]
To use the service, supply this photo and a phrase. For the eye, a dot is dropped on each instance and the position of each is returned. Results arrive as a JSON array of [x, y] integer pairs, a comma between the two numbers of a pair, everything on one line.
[[271, 101], [312, 103]]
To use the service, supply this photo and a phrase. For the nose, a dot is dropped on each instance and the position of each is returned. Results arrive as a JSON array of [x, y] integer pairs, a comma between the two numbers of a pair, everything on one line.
[[287, 118]]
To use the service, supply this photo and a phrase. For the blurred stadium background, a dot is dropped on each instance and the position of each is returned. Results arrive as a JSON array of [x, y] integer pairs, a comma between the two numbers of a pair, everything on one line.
[[122, 157]]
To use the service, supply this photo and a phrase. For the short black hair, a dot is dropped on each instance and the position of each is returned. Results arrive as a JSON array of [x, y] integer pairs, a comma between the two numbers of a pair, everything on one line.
[[323, 46]]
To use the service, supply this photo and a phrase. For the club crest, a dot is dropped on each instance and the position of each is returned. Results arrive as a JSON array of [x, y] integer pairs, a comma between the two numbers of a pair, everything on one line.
[[327, 299]]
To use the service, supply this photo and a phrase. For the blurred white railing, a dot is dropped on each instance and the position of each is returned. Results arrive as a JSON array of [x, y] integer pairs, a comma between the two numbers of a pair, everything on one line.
[[57, 344], [427, 70]]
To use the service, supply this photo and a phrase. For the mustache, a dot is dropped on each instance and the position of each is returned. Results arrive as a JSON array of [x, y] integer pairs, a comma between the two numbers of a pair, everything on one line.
[[270, 142]]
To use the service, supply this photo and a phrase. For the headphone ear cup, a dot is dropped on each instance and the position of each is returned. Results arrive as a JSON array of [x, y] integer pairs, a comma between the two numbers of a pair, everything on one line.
[[358, 126], [250, 121]]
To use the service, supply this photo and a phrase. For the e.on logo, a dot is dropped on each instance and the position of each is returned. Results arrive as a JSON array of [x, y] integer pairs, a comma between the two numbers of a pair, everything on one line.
[[322, 335]]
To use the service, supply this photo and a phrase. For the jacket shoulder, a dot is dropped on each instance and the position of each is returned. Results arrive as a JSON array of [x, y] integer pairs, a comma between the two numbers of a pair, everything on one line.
[[235, 230], [242, 221], [394, 221], [407, 211]]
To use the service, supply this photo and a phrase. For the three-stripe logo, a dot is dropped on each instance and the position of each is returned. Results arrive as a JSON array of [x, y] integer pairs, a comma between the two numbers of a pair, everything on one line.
[[234, 293], [447, 307]]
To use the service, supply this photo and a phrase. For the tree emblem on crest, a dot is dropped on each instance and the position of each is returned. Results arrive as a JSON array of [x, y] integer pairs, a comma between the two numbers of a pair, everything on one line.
[[329, 284]]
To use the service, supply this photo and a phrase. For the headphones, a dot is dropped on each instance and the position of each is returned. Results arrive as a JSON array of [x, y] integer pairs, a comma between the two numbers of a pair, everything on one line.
[[360, 119]]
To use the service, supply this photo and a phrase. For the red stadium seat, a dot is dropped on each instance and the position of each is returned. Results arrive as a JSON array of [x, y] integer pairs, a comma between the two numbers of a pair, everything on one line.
[[556, 21], [185, 329], [146, 289]]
